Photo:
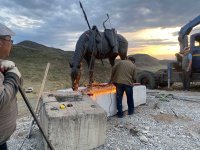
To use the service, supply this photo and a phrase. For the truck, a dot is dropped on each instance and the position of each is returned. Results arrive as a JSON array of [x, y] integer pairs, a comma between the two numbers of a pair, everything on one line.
[[173, 73]]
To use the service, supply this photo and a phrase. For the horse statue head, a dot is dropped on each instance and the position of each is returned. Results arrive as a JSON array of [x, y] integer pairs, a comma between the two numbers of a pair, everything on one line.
[[75, 75]]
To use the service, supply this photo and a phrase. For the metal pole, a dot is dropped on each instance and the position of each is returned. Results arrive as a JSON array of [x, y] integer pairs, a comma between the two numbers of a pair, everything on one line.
[[169, 74], [35, 117], [85, 15]]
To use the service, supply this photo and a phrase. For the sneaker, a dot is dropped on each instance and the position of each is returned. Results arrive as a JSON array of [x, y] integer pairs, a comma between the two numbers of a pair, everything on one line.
[[120, 114], [131, 112]]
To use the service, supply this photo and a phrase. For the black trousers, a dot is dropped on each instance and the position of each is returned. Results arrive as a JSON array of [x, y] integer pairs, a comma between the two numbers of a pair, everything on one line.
[[3, 146], [120, 89], [186, 80]]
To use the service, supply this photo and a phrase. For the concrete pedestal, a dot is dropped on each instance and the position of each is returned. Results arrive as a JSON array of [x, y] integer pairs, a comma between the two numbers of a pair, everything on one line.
[[108, 101], [81, 125]]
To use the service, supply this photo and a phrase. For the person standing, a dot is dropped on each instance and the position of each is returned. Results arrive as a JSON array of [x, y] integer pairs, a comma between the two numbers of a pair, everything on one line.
[[186, 67], [123, 76], [9, 81]]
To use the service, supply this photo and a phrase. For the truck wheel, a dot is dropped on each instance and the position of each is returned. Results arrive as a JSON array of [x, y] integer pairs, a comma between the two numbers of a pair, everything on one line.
[[147, 78]]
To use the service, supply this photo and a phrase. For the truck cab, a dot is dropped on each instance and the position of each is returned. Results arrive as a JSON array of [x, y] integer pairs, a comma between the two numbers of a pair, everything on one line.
[[195, 50]]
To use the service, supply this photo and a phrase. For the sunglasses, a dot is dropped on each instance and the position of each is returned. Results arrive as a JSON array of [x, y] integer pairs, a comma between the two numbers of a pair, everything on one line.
[[9, 40]]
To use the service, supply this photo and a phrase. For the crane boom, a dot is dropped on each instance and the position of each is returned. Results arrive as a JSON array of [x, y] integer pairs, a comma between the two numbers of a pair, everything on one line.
[[185, 30]]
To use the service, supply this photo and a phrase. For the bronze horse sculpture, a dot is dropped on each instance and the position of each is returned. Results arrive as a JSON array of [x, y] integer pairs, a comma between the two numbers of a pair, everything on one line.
[[89, 48]]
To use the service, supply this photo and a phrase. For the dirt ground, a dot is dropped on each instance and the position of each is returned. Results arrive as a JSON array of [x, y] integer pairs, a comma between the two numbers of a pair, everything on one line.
[[168, 120]]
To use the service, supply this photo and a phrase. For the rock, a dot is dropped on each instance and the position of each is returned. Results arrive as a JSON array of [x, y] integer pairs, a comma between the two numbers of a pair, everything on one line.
[[116, 129], [156, 105], [151, 141], [194, 135], [29, 90], [183, 136], [147, 128], [172, 136], [120, 125], [156, 138], [143, 138], [149, 135], [128, 126], [144, 131], [134, 131], [161, 112]]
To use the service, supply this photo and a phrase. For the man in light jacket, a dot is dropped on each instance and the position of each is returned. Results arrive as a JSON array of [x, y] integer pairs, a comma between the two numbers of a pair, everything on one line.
[[186, 67], [9, 81]]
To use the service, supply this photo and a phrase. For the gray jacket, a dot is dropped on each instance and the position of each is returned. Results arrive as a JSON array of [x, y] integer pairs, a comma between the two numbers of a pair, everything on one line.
[[185, 61], [8, 105]]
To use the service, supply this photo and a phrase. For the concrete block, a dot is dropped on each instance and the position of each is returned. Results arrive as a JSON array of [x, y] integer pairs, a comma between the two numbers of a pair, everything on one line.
[[108, 101], [81, 125]]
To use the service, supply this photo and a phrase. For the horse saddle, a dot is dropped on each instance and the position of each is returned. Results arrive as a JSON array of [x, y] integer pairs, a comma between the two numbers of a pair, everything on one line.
[[111, 36], [95, 40]]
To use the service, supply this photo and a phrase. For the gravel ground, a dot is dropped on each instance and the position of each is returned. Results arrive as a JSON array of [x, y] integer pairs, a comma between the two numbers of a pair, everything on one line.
[[170, 120]]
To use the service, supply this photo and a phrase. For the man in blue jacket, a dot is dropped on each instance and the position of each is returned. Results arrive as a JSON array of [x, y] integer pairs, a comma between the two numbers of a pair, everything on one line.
[[186, 67]]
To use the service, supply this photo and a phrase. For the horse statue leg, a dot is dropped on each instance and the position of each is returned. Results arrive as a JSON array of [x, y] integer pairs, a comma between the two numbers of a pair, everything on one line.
[[112, 60], [91, 70]]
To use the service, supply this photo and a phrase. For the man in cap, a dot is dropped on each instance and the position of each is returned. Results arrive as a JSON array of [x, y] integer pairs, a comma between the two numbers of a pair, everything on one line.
[[123, 76], [186, 67], [9, 81]]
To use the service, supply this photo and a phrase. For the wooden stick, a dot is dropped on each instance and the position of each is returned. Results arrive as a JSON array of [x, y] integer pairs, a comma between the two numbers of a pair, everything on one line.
[[38, 99], [42, 87]]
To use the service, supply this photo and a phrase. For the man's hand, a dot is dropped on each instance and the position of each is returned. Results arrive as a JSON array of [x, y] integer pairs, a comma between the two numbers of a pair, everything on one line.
[[188, 69], [15, 71], [110, 81], [6, 65], [177, 54]]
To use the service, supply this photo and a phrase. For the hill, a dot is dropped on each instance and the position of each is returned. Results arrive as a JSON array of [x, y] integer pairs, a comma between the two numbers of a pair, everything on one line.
[[147, 62], [32, 58]]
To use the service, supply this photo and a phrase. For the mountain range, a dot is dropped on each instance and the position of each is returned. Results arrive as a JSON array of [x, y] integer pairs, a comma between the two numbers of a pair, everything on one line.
[[32, 58]]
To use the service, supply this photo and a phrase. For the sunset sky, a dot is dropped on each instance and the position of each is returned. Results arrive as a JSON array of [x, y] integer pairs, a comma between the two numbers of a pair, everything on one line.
[[150, 26]]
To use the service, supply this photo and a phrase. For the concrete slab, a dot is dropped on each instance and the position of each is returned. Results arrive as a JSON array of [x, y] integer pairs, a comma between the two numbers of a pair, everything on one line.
[[108, 101], [81, 125]]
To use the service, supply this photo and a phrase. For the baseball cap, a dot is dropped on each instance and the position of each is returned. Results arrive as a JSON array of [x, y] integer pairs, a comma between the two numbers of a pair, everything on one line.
[[5, 30]]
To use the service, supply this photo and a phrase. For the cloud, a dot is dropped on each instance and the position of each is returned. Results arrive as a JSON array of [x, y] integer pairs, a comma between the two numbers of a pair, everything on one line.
[[59, 23]]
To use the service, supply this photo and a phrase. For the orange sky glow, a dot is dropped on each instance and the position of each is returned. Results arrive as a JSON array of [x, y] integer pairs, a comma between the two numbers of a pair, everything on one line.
[[160, 43]]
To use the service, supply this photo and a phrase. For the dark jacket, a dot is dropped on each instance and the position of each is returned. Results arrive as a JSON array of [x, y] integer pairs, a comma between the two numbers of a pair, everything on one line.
[[123, 72], [8, 105]]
